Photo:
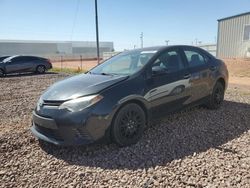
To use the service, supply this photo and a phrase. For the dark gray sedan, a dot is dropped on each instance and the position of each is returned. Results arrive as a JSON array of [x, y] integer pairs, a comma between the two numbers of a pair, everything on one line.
[[119, 98], [20, 64]]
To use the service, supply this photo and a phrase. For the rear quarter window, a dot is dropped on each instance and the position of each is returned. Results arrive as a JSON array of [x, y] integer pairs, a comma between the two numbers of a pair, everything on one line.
[[195, 58]]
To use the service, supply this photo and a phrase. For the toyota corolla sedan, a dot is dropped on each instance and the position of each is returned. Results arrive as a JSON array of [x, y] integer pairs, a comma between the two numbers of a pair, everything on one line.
[[21, 64], [118, 98]]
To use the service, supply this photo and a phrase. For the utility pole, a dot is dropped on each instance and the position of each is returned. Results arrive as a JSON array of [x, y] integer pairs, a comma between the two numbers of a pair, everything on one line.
[[97, 32], [167, 41], [196, 41], [141, 39]]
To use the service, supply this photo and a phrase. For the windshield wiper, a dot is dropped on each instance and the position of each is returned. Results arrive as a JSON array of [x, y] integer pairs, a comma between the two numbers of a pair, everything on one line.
[[108, 74], [103, 73]]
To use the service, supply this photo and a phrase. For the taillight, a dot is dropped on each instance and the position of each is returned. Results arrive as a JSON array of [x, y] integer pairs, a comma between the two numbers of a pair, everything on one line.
[[49, 63]]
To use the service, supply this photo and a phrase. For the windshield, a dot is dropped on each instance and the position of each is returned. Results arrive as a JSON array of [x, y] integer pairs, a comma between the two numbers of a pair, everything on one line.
[[126, 63]]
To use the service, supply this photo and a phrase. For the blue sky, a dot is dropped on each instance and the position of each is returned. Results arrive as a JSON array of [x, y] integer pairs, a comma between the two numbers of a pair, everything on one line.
[[120, 21]]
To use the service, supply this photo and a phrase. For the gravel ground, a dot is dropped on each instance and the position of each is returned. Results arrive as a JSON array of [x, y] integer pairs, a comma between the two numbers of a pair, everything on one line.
[[193, 148]]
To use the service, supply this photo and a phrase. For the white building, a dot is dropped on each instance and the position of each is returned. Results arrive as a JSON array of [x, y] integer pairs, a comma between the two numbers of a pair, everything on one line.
[[52, 48]]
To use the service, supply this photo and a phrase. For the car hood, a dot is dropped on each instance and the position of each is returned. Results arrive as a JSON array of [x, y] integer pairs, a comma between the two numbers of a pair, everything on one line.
[[80, 85]]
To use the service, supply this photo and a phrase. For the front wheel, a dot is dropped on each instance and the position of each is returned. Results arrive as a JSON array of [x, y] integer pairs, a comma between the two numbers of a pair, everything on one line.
[[217, 97], [128, 125], [1, 73]]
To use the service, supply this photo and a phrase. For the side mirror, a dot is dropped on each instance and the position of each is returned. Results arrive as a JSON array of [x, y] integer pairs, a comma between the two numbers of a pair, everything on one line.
[[158, 70]]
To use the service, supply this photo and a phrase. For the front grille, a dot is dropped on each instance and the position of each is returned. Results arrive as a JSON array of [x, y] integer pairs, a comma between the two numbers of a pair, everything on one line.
[[51, 133], [52, 103]]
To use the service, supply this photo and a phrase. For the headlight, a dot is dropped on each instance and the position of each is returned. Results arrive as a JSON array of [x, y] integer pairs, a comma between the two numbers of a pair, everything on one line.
[[39, 104], [81, 103]]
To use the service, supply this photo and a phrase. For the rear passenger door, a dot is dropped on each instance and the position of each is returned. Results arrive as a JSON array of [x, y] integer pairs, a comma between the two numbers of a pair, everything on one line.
[[31, 63], [200, 73]]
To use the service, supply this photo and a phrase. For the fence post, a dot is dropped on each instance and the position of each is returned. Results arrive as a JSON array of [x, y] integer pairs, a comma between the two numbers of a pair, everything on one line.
[[61, 62], [81, 61]]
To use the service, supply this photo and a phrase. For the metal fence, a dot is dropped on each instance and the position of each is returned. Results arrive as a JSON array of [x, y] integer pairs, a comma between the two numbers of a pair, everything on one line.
[[73, 62]]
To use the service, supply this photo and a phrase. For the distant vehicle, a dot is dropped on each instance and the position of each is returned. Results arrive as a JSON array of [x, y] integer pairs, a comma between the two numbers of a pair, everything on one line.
[[3, 57], [118, 98], [20, 64]]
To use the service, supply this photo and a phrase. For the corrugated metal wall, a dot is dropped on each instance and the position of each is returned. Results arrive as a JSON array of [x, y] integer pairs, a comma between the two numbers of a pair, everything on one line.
[[230, 37]]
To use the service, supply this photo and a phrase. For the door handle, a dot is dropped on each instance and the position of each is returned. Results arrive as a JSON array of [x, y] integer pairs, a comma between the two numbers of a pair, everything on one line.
[[186, 76], [213, 68]]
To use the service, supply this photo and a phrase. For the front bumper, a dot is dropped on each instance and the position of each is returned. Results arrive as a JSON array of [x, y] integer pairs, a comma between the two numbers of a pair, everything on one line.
[[48, 130]]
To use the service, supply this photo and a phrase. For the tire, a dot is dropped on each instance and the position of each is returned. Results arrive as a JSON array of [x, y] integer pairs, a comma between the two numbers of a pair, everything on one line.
[[1, 73], [40, 69], [128, 125], [217, 97]]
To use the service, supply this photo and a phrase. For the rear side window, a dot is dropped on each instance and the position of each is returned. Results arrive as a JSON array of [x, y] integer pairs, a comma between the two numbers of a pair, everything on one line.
[[32, 58], [195, 58]]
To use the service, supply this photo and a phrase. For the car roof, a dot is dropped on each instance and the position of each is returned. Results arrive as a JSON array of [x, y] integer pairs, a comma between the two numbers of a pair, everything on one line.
[[15, 56], [159, 48], [162, 48]]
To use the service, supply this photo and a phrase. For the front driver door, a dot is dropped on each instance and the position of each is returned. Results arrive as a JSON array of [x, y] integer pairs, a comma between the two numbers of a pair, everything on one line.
[[17, 64], [168, 90]]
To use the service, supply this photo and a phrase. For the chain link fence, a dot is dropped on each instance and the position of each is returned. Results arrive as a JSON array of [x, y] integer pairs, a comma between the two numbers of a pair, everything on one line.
[[77, 62], [73, 62]]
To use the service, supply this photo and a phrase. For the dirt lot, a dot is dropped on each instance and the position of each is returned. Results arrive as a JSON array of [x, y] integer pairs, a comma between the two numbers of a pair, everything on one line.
[[85, 65], [198, 147], [239, 72], [193, 148]]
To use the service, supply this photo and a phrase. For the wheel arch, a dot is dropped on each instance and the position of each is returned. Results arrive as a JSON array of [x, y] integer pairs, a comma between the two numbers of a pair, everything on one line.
[[222, 81], [3, 69], [140, 103], [40, 65]]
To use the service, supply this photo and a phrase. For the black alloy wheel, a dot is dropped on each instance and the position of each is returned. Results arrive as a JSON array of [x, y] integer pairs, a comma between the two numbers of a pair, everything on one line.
[[1, 73], [217, 97], [128, 125]]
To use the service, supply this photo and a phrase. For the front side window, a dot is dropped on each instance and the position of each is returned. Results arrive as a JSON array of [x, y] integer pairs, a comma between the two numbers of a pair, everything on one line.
[[19, 59], [170, 60], [194, 58], [247, 32], [126, 63]]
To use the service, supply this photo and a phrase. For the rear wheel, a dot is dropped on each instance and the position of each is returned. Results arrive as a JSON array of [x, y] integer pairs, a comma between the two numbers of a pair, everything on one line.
[[217, 97], [40, 69], [1, 73], [128, 125]]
